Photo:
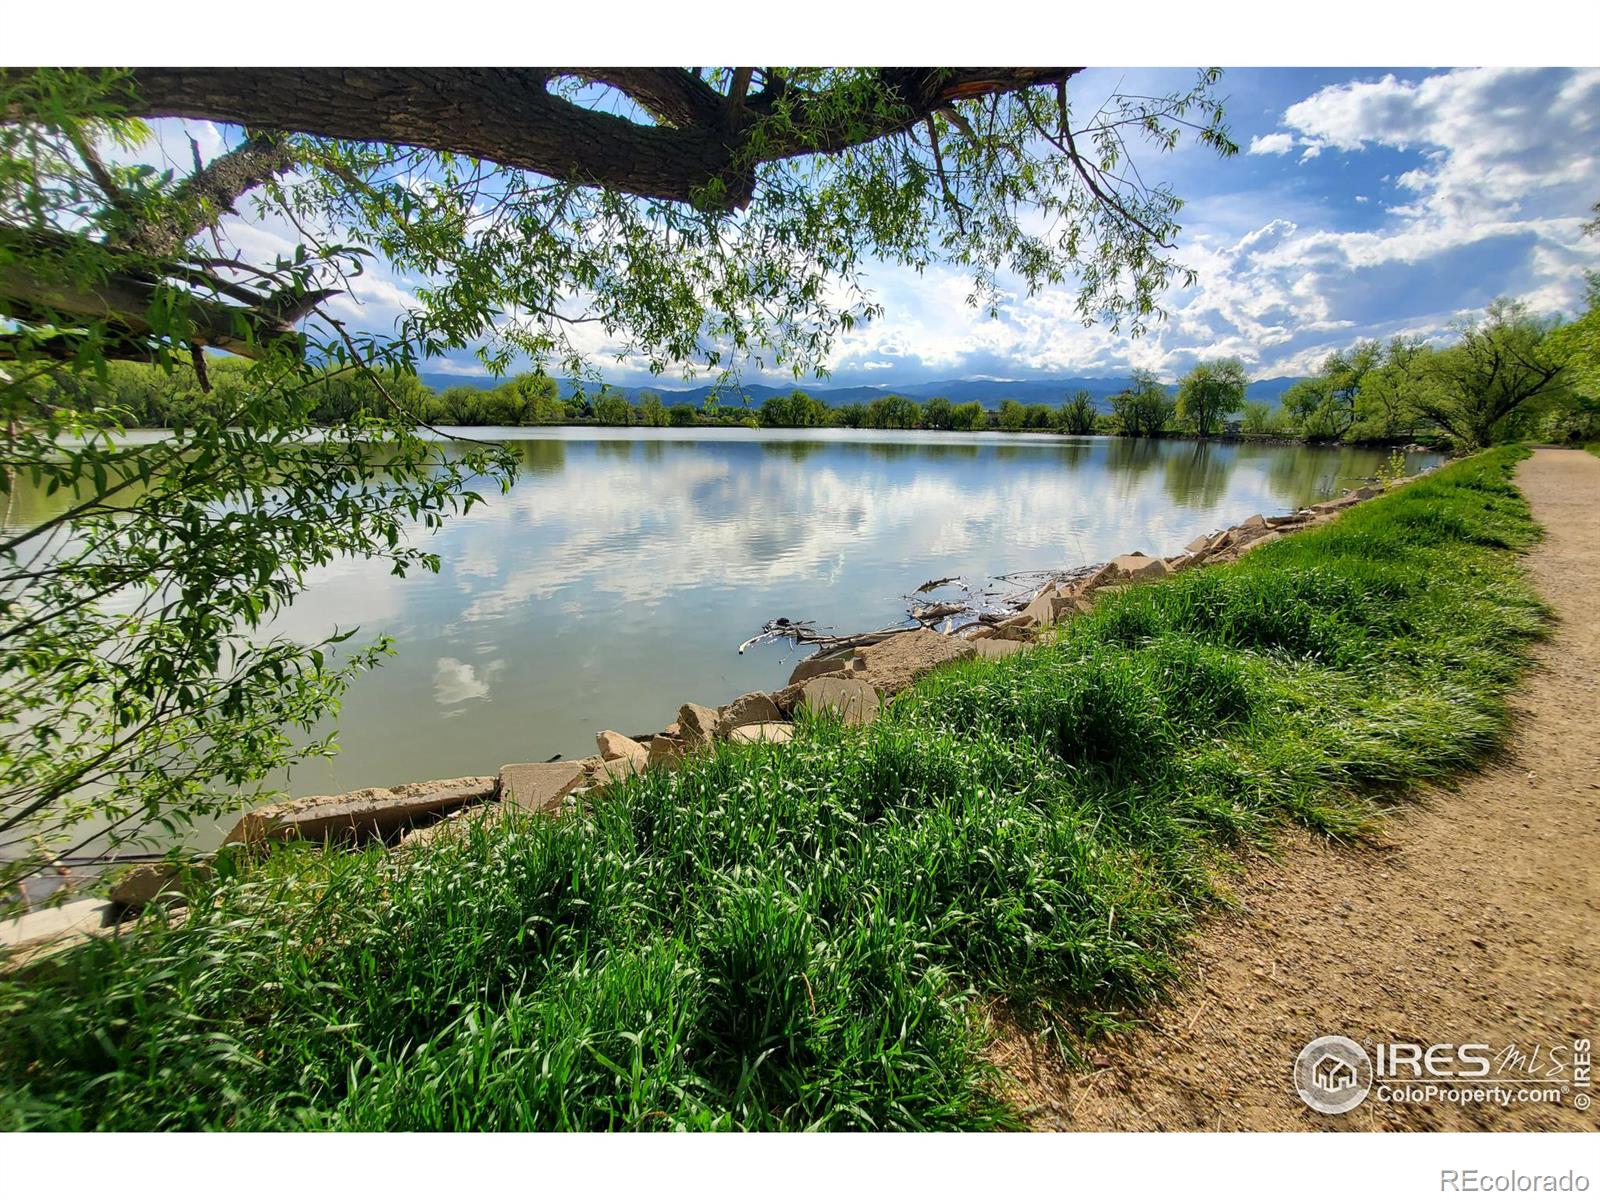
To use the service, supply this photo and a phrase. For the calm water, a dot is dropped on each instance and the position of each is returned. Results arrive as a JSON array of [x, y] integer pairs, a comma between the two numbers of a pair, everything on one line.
[[619, 576]]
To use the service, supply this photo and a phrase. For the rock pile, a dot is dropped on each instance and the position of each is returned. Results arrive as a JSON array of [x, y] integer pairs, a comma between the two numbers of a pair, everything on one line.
[[999, 635]]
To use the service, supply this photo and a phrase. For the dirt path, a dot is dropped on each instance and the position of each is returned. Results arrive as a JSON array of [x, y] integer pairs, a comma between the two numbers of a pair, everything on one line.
[[1477, 921]]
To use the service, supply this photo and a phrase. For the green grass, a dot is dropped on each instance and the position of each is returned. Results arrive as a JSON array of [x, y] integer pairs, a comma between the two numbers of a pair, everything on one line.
[[807, 935]]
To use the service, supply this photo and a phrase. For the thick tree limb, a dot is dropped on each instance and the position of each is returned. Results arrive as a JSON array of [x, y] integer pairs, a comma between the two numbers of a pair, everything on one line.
[[211, 191], [704, 148], [671, 95], [510, 117], [123, 302], [501, 115], [144, 244]]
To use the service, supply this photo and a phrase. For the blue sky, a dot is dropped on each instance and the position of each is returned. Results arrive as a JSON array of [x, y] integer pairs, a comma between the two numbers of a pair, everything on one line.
[[1364, 203]]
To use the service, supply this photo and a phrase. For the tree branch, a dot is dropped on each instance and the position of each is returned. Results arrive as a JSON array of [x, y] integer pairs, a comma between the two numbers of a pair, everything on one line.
[[510, 117], [211, 191], [124, 302], [671, 95]]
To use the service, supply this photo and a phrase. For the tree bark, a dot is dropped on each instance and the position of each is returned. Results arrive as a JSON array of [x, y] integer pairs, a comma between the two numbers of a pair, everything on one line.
[[211, 191], [510, 117]]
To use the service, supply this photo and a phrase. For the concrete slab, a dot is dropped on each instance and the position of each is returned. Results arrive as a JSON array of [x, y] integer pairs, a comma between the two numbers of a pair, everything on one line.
[[539, 787]]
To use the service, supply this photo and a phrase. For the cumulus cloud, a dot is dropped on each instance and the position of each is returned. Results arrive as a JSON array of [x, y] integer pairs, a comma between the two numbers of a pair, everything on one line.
[[1272, 143], [1489, 137], [1495, 174], [1503, 165]]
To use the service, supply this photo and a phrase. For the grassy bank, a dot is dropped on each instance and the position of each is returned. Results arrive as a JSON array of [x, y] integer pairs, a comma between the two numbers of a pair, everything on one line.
[[804, 935]]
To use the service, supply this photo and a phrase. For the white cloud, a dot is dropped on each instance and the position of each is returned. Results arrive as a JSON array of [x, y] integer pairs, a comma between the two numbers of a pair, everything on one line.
[[455, 682], [1489, 136], [1272, 143], [1499, 169]]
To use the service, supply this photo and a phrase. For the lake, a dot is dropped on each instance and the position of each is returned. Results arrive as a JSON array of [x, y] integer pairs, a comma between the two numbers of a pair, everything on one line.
[[619, 576]]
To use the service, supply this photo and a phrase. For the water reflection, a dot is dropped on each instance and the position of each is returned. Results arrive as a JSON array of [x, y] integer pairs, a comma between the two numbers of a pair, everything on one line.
[[793, 451], [1199, 475], [542, 456], [618, 576]]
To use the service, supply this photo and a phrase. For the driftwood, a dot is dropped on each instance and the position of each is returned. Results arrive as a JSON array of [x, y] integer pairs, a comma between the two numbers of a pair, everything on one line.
[[976, 606], [934, 612], [803, 633]]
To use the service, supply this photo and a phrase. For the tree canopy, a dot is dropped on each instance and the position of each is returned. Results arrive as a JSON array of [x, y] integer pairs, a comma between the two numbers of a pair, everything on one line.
[[1501, 363], [729, 214], [1144, 409], [1211, 392]]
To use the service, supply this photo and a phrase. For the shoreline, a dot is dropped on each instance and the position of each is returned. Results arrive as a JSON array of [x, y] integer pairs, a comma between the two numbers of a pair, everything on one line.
[[1044, 831], [1401, 933], [1409, 444], [402, 812]]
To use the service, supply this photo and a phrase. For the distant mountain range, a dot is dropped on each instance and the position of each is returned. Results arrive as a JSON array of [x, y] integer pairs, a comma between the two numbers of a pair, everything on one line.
[[987, 392]]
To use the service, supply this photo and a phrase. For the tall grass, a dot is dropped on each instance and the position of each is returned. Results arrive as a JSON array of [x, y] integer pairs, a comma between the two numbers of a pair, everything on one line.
[[805, 935]]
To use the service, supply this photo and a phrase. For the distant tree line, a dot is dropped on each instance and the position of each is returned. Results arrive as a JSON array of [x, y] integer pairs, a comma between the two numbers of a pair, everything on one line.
[[1506, 375]]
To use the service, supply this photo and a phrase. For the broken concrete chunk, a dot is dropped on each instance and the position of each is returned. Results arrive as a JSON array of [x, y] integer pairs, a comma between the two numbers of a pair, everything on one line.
[[354, 816], [1138, 567], [453, 826], [752, 708], [539, 787], [1062, 607], [64, 923], [854, 700], [600, 772], [665, 751], [1334, 505], [894, 664], [1256, 543], [614, 745], [1042, 607], [824, 663], [765, 731], [697, 723], [1107, 573], [167, 881]]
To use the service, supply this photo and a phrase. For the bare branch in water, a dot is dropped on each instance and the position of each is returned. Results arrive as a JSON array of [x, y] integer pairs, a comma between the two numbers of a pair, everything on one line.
[[976, 606]]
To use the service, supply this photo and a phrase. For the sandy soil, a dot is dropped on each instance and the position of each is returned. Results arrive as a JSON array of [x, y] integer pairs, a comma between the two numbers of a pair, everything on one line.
[[1476, 920]]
